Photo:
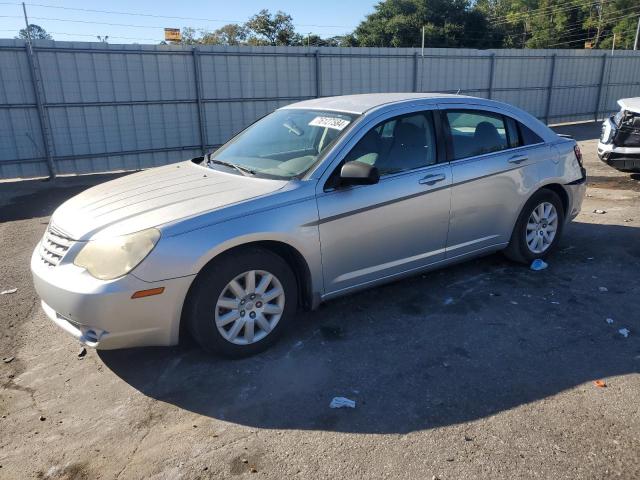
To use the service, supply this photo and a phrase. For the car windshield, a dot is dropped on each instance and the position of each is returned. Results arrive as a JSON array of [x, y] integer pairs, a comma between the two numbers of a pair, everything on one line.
[[285, 143]]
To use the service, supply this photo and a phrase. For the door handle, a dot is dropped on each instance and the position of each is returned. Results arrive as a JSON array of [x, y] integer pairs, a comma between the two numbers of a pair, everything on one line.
[[518, 159], [432, 179]]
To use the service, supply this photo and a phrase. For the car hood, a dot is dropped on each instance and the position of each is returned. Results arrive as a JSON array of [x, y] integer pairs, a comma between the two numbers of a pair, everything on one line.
[[630, 104], [155, 197]]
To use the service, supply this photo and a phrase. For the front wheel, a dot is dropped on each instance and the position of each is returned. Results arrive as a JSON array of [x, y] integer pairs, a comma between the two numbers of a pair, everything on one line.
[[241, 303], [538, 229]]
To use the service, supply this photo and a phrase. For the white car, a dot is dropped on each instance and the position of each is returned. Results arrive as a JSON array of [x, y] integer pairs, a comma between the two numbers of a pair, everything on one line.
[[619, 144]]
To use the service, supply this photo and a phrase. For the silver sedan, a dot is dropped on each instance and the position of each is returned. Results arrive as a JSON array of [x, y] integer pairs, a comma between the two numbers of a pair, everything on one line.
[[317, 199]]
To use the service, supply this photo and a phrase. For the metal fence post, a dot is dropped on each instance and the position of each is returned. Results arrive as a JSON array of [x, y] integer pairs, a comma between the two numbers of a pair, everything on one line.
[[316, 55], [599, 96], [491, 70], [415, 72], [550, 88], [42, 114], [198, 80]]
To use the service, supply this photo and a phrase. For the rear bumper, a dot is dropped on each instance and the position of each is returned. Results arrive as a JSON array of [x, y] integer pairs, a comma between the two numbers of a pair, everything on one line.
[[576, 191], [102, 314]]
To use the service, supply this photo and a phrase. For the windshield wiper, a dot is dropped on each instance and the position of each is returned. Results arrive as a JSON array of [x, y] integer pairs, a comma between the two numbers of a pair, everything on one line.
[[243, 170]]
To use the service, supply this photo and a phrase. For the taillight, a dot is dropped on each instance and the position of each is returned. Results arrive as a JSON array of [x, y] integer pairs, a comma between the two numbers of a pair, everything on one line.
[[576, 150]]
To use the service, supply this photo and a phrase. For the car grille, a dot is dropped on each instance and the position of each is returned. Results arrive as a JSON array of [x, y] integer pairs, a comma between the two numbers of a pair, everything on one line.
[[53, 246]]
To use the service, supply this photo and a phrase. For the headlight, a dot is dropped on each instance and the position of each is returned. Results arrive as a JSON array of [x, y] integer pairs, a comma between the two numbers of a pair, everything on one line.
[[111, 258], [608, 132]]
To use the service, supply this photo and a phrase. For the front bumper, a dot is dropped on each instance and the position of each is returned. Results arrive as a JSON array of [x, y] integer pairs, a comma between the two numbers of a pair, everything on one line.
[[622, 161], [102, 314]]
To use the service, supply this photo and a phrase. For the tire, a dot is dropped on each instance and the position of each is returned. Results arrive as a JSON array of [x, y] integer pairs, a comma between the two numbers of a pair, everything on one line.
[[212, 297], [519, 249]]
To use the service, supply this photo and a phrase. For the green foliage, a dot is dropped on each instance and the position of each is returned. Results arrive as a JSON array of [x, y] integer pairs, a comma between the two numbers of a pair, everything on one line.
[[451, 23], [562, 23], [271, 29], [35, 31], [447, 23]]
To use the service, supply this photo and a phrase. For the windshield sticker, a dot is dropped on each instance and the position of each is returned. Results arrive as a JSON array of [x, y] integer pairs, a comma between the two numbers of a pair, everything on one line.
[[329, 122]]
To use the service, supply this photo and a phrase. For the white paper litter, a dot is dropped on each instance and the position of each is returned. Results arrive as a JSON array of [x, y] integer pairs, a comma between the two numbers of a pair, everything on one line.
[[609, 321], [11, 290], [624, 332], [342, 402]]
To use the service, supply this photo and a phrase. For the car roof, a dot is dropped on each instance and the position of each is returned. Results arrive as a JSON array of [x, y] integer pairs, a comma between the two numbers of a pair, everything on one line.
[[630, 104], [362, 102]]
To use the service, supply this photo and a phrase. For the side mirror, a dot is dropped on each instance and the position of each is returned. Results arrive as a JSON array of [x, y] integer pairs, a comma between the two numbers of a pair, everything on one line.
[[358, 173]]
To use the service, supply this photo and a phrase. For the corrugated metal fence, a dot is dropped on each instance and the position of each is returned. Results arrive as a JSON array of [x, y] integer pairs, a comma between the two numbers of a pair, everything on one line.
[[95, 107]]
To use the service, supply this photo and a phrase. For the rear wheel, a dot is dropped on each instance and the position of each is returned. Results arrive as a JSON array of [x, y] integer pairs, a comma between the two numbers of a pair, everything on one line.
[[538, 229], [242, 302]]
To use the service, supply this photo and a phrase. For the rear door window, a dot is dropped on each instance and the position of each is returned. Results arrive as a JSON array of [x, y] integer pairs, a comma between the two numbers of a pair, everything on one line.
[[529, 137], [475, 132]]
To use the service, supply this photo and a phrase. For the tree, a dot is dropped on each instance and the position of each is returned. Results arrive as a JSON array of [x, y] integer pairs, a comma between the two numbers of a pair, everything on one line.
[[561, 23], [231, 34], [604, 19], [313, 40], [551, 26], [447, 23], [36, 32], [266, 28]]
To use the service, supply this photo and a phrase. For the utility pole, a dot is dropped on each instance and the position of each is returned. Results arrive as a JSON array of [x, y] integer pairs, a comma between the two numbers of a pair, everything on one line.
[[26, 23], [423, 41], [599, 31], [613, 45], [39, 95], [635, 44]]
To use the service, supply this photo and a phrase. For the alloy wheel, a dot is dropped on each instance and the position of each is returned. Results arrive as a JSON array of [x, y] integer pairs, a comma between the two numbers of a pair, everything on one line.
[[249, 307], [542, 227]]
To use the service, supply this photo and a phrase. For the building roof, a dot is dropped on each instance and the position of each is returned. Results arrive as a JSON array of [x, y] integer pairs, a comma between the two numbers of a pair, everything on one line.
[[363, 102]]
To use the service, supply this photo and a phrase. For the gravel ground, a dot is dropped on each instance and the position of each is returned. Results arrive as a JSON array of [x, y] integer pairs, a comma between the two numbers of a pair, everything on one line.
[[482, 370]]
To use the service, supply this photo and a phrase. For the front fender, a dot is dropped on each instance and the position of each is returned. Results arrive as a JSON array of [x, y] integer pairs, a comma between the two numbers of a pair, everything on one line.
[[187, 253]]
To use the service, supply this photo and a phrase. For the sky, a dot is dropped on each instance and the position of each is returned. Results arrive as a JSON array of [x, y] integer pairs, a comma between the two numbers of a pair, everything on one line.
[[144, 21]]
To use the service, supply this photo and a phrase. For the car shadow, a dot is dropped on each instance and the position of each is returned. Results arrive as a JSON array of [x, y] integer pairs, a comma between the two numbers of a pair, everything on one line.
[[441, 348]]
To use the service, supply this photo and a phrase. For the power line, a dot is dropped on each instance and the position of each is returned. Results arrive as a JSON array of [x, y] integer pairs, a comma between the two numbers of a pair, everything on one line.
[[89, 22], [542, 9], [585, 39], [212, 20], [536, 13], [578, 26], [572, 38]]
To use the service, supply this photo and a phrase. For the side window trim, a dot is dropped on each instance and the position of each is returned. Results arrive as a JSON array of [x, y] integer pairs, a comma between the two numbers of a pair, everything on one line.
[[442, 149], [444, 121]]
